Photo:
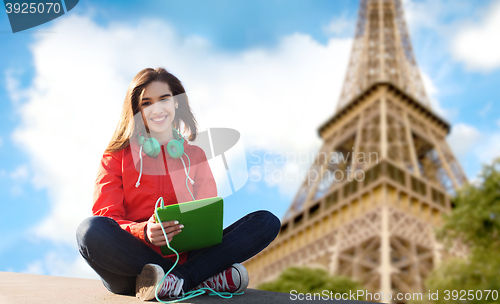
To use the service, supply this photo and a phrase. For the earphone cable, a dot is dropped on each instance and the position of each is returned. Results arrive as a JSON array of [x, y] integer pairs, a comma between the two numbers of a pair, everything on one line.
[[189, 294]]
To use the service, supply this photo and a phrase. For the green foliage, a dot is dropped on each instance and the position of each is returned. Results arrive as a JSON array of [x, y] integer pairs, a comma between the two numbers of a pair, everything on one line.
[[475, 220], [467, 275], [476, 217], [307, 280]]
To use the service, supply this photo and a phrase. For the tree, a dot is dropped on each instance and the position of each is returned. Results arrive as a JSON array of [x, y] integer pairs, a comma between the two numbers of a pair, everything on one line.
[[307, 280], [476, 216], [475, 221]]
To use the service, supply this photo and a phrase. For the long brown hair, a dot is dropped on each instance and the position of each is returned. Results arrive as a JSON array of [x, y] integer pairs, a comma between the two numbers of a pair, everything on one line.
[[131, 106]]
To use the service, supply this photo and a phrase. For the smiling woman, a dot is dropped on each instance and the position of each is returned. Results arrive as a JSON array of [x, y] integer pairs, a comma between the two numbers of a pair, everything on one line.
[[158, 112], [152, 93], [122, 241]]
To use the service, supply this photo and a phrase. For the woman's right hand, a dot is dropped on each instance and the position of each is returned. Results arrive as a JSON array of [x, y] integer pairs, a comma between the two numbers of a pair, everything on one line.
[[154, 233]]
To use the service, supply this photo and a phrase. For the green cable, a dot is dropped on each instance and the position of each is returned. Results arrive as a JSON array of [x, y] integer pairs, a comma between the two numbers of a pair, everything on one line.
[[190, 294]]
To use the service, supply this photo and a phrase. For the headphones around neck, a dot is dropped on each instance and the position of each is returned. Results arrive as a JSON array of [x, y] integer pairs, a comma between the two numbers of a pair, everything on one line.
[[151, 146]]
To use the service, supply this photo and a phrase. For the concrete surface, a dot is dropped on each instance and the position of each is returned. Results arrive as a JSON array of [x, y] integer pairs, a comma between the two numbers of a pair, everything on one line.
[[18, 288]]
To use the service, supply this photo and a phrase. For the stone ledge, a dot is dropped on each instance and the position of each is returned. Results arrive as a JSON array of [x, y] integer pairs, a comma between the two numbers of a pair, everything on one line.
[[19, 288]]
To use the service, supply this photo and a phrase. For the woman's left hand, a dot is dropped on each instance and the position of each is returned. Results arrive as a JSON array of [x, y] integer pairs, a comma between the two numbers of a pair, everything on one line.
[[154, 233]]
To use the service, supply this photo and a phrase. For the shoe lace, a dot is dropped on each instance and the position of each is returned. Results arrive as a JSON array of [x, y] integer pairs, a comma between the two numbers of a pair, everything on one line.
[[218, 282], [172, 286]]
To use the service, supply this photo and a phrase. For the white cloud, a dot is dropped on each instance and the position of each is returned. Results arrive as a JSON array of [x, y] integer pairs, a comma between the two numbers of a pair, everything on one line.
[[275, 97], [422, 14], [486, 109], [433, 93], [466, 141], [35, 267], [57, 264], [20, 174], [489, 148], [477, 44], [498, 122], [12, 84], [439, 16], [463, 139], [430, 88], [286, 170], [340, 26]]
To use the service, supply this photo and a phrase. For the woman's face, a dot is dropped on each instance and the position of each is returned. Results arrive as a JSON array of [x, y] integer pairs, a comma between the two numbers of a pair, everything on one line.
[[158, 109]]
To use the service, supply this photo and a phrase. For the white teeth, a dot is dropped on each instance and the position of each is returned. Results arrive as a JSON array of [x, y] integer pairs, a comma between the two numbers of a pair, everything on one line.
[[159, 119]]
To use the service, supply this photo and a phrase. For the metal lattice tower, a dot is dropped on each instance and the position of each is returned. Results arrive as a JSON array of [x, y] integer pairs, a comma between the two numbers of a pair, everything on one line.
[[375, 222], [382, 52]]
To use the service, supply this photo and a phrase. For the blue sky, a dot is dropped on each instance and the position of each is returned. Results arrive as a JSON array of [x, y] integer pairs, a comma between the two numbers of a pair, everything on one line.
[[272, 69]]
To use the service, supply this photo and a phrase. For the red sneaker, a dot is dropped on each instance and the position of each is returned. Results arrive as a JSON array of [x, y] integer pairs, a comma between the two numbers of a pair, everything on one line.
[[150, 277], [234, 280]]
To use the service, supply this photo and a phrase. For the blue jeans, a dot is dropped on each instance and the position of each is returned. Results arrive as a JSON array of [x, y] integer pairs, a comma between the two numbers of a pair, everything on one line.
[[118, 256]]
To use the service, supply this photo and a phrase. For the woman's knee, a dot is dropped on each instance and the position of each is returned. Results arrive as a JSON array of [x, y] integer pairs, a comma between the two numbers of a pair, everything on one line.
[[270, 221], [92, 227]]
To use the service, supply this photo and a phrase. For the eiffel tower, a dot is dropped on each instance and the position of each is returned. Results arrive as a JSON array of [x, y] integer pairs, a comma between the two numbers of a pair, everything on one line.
[[374, 222]]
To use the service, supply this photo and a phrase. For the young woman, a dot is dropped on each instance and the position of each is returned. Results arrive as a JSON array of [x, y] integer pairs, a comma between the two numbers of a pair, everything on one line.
[[121, 241]]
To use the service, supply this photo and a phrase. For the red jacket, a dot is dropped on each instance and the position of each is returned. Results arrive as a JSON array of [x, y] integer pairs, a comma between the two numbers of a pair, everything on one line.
[[116, 195]]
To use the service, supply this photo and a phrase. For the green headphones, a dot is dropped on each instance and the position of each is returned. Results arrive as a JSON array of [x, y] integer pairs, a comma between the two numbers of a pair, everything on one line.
[[151, 146]]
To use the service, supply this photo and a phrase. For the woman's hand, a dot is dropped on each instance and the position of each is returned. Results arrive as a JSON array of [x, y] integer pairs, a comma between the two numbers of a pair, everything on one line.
[[154, 234]]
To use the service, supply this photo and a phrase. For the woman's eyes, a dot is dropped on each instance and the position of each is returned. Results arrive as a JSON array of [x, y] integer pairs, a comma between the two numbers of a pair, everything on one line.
[[147, 103]]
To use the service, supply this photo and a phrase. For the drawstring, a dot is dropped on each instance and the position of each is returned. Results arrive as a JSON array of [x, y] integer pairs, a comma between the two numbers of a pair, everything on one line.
[[140, 172], [187, 173]]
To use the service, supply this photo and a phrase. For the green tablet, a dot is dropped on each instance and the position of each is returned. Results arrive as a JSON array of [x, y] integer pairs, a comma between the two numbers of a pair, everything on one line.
[[202, 220]]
